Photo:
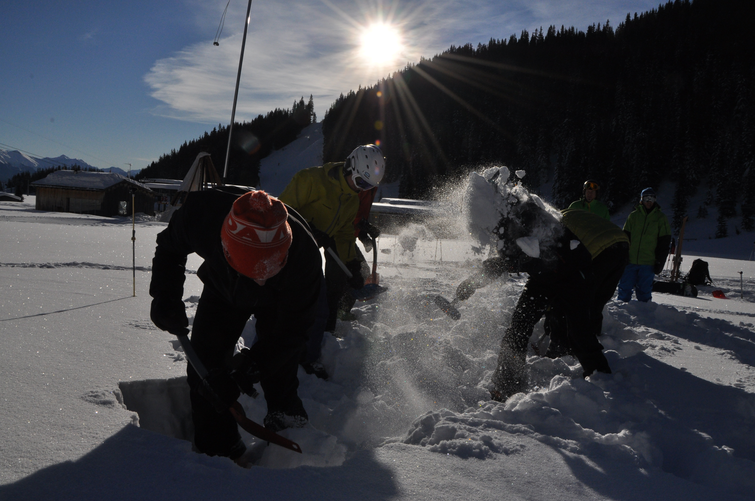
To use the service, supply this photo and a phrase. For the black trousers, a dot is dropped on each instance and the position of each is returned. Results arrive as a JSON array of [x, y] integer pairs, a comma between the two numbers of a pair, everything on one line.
[[215, 332], [337, 285], [580, 301], [607, 267]]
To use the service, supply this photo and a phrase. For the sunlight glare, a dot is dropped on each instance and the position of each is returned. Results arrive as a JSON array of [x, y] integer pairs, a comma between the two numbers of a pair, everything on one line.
[[381, 44]]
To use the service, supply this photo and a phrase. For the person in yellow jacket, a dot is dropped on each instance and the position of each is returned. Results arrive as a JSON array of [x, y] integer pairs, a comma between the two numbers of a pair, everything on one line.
[[328, 199]]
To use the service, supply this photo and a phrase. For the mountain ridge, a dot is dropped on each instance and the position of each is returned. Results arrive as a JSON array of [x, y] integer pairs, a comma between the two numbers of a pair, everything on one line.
[[14, 162]]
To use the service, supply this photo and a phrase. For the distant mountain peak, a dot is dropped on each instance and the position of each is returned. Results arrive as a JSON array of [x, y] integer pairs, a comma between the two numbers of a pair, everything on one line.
[[14, 162]]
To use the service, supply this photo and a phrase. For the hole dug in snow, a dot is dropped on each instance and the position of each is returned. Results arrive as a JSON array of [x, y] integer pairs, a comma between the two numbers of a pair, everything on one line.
[[163, 405]]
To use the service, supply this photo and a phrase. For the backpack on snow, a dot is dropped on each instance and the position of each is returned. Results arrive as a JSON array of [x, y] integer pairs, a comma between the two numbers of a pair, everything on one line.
[[698, 273]]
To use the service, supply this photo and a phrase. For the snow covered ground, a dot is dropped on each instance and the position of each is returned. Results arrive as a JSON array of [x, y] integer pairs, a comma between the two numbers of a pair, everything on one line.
[[405, 414]]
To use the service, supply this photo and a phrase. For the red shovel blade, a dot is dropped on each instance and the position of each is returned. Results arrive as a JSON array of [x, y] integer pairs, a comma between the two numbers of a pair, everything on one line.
[[260, 431], [719, 294]]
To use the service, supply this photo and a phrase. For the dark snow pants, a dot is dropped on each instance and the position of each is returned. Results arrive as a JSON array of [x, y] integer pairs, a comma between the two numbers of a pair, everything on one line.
[[316, 333], [215, 332], [577, 299], [337, 284], [608, 268]]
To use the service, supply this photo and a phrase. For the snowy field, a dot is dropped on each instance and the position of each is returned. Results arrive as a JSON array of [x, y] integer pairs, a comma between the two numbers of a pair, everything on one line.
[[405, 415]]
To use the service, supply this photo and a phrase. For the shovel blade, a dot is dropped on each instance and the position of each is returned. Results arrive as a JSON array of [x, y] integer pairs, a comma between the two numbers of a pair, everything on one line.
[[260, 431], [447, 307], [368, 292]]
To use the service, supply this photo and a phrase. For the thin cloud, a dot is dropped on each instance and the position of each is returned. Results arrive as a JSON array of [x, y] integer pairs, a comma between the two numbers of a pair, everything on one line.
[[89, 36], [295, 49]]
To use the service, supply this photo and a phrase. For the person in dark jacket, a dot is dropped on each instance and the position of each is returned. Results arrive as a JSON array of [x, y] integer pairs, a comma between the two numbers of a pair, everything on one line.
[[574, 263], [650, 236], [259, 259]]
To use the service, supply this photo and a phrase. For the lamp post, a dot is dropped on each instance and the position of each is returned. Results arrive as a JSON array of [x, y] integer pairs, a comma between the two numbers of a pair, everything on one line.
[[236, 93]]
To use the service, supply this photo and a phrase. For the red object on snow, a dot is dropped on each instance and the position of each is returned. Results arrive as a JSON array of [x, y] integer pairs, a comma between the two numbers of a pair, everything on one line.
[[719, 294]]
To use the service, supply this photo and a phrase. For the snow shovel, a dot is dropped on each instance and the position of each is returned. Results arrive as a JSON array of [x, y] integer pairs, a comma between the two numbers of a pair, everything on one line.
[[236, 410], [369, 290], [448, 307]]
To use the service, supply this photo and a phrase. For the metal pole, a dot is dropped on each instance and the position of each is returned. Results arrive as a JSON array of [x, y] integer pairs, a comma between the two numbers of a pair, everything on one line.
[[236, 93], [133, 241]]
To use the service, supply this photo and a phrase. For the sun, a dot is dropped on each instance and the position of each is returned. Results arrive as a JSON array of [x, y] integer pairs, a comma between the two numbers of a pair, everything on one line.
[[381, 44]]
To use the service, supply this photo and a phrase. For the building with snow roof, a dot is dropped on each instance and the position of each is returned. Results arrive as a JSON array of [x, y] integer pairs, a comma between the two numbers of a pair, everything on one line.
[[99, 193]]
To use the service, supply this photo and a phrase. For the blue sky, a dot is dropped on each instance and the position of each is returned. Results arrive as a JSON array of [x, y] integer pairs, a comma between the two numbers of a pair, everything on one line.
[[118, 83]]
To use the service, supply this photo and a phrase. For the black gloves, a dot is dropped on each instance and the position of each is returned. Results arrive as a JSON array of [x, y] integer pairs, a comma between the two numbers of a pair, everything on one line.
[[367, 230], [357, 280], [169, 315], [245, 371], [220, 389], [365, 241], [658, 267], [367, 233]]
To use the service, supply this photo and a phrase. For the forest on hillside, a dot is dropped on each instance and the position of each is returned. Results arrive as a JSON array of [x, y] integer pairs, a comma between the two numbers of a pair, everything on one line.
[[251, 142], [665, 95]]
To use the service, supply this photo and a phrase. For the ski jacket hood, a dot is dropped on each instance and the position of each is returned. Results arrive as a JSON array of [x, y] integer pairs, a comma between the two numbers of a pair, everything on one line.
[[326, 201]]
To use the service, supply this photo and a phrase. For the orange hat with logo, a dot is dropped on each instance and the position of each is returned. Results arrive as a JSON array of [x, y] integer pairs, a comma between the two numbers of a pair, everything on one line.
[[256, 235]]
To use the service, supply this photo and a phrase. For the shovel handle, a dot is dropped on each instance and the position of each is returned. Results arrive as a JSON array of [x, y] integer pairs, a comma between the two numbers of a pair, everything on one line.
[[375, 279], [191, 355]]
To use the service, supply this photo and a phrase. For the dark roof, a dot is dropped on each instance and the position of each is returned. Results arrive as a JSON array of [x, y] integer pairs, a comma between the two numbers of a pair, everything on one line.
[[85, 180]]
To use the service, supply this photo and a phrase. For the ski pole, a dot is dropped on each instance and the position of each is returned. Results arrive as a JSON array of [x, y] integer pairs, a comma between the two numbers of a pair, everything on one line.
[[133, 240]]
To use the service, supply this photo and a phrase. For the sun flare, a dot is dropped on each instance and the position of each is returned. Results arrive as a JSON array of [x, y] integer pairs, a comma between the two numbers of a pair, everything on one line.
[[381, 44]]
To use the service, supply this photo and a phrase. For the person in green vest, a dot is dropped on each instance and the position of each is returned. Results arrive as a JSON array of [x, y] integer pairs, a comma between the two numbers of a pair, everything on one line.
[[589, 200]]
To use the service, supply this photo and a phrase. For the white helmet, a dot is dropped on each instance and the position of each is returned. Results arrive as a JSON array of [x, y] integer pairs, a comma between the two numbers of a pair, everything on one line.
[[367, 166]]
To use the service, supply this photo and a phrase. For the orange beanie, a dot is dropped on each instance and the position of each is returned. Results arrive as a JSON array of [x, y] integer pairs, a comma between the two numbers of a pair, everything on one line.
[[256, 235]]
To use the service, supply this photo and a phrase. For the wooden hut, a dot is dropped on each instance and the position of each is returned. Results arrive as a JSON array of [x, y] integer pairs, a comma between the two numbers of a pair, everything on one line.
[[99, 193]]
